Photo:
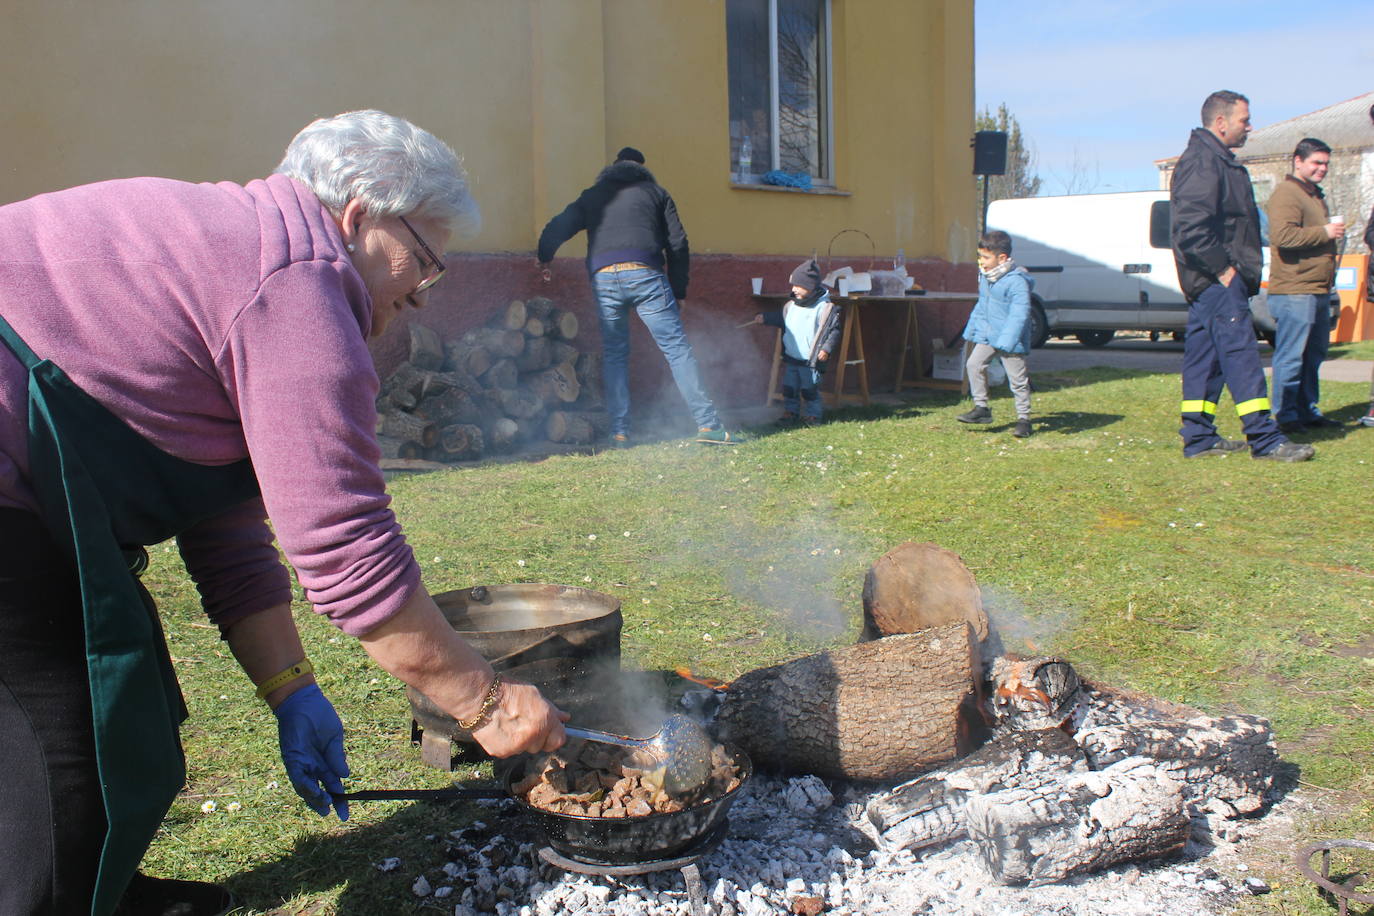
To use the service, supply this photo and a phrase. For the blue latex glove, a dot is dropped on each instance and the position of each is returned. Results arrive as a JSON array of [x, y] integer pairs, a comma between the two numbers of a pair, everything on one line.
[[311, 738]]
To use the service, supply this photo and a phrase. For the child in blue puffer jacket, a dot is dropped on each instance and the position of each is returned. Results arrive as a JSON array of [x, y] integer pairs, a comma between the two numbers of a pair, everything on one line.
[[810, 324], [1000, 325]]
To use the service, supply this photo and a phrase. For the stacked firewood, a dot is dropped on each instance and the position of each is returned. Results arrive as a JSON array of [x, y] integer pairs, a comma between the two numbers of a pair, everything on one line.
[[519, 381]]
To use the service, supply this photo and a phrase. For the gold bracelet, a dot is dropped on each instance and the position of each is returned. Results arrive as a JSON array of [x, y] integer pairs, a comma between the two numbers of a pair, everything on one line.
[[488, 704], [299, 669]]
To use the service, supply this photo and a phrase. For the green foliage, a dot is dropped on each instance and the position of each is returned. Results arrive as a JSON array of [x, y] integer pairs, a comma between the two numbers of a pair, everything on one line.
[[1229, 584], [1021, 179]]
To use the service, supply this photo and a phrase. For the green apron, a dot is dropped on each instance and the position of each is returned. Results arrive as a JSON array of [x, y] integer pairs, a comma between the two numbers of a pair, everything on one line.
[[105, 491]]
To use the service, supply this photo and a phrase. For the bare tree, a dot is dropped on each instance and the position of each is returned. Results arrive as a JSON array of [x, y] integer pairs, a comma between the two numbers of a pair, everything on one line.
[[1081, 177]]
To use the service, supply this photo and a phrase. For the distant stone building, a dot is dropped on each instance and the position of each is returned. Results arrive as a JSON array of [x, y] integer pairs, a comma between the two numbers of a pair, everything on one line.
[[1349, 186]]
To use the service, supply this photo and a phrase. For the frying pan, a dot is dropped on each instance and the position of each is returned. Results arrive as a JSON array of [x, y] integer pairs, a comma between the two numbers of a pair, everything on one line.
[[610, 840]]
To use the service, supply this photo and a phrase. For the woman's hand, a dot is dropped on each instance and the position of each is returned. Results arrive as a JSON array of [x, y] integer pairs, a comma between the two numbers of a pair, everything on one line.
[[522, 722], [311, 739]]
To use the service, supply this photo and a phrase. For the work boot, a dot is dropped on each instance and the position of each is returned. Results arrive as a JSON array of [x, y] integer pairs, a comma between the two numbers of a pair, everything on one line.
[[1022, 429], [979, 414], [149, 896], [1289, 451]]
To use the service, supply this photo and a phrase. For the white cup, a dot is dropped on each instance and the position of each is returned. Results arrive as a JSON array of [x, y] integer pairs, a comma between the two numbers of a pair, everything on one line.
[[1338, 220], [758, 285]]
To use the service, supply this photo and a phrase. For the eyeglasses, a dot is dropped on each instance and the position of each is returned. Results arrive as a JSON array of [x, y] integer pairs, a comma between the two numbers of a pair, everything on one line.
[[436, 268]]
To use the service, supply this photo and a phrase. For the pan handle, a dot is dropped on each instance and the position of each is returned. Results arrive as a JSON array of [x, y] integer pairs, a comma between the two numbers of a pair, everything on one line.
[[422, 794]]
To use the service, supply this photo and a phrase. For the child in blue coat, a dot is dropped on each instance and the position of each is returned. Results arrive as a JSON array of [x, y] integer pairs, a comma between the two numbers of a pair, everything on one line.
[[810, 324], [1000, 325]]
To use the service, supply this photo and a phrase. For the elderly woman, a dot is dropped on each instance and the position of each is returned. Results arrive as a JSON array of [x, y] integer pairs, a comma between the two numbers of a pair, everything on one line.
[[190, 360]]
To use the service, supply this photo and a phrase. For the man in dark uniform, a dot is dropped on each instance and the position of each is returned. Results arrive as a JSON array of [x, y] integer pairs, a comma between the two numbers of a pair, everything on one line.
[[1216, 241]]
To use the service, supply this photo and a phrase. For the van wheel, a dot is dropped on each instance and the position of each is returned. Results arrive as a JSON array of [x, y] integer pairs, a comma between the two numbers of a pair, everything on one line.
[[1040, 328], [1095, 338]]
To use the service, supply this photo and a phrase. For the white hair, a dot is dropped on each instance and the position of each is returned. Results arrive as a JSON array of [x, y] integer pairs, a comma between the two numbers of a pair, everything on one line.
[[393, 167]]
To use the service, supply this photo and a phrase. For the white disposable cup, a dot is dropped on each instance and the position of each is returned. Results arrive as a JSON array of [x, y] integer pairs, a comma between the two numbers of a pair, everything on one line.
[[1338, 219], [758, 285]]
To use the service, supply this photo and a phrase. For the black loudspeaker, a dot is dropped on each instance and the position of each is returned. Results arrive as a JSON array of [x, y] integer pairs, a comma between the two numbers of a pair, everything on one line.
[[990, 152]]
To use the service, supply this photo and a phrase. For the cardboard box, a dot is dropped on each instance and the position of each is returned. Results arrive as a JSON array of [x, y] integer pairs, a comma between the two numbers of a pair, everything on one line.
[[948, 364]]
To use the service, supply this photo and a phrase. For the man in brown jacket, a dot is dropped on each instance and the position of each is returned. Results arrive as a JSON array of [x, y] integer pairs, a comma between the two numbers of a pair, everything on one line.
[[1302, 270]]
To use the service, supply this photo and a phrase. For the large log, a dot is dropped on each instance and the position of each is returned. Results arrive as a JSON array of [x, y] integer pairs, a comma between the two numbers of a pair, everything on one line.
[[535, 327], [459, 441], [451, 406], [918, 585], [501, 433], [537, 355], [502, 374], [1030, 693], [563, 352], [930, 809], [562, 324], [1232, 759], [502, 343], [398, 448], [557, 383], [514, 316], [538, 307], [426, 348], [885, 709], [518, 403], [408, 426], [1091, 821], [467, 356], [562, 426]]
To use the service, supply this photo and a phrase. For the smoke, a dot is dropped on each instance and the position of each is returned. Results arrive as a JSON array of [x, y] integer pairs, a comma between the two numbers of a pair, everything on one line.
[[1012, 630]]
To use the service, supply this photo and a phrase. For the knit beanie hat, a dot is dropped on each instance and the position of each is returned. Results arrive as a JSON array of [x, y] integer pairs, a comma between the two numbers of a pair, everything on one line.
[[807, 275], [631, 154]]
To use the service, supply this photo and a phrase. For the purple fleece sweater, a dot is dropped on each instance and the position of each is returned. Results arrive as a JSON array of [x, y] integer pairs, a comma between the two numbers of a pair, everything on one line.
[[220, 322]]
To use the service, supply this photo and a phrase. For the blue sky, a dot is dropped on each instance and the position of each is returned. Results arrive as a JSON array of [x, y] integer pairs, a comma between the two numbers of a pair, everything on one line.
[[1102, 89]]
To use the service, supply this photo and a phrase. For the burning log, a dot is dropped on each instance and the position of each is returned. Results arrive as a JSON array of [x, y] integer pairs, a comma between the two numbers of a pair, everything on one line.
[[1091, 821], [1033, 693], [426, 348], [918, 585], [1231, 759], [878, 710], [930, 809]]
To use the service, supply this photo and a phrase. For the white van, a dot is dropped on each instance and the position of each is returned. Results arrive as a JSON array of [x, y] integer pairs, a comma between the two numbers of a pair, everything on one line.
[[1102, 263]]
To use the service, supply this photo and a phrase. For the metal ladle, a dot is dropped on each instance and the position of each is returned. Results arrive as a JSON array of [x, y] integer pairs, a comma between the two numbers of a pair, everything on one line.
[[681, 747]]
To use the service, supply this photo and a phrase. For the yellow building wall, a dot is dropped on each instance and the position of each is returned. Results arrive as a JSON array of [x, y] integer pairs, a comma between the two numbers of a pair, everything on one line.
[[535, 94]]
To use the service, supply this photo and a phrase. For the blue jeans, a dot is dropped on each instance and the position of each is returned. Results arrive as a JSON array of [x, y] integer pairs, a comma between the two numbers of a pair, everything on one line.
[[648, 293], [1302, 332], [801, 391]]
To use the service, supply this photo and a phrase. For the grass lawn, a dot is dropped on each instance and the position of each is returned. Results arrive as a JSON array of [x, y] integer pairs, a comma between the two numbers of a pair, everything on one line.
[[1229, 584]]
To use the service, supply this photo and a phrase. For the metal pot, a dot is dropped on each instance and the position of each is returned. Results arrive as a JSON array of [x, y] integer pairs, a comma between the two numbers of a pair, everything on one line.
[[611, 840]]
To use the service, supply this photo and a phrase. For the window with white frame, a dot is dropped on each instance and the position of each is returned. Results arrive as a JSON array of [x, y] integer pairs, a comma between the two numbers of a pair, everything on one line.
[[779, 59]]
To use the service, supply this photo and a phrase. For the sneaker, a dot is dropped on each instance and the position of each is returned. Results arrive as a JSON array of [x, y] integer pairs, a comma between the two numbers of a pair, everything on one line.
[[148, 896], [1289, 451], [787, 419], [620, 440], [1022, 429], [1368, 419], [717, 436], [979, 414]]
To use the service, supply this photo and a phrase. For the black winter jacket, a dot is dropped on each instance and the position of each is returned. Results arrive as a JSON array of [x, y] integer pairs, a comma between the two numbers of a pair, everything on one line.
[[627, 217], [1215, 220]]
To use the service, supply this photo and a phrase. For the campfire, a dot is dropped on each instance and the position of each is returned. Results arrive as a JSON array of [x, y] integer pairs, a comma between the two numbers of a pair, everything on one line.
[[522, 380], [893, 773]]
